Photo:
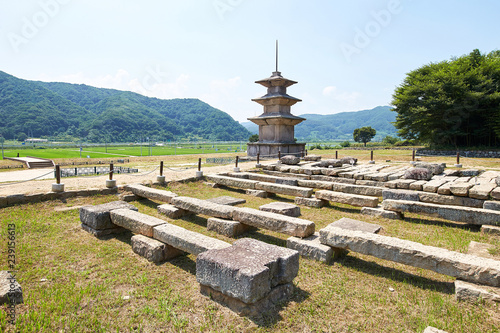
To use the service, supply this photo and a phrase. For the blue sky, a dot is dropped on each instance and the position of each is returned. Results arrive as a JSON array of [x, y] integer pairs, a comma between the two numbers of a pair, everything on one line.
[[346, 55]]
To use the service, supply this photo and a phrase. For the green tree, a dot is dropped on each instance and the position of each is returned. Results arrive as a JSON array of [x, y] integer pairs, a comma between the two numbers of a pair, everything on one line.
[[389, 140], [21, 136], [455, 102], [364, 134], [253, 138]]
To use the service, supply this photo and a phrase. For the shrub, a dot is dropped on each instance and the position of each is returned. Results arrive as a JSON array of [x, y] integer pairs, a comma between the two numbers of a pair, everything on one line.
[[345, 144]]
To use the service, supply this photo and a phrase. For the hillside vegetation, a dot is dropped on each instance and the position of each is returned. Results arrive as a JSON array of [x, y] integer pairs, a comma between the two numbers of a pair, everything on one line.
[[61, 109]]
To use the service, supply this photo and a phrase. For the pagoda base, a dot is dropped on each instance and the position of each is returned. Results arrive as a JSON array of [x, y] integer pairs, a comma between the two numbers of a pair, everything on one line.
[[272, 149]]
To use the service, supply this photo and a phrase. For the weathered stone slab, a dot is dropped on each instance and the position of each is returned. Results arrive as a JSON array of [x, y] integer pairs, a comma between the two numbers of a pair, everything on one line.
[[15, 199], [186, 240], [351, 224], [334, 163], [310, 202], [490, 229], [396, 175], [444, 189], [474, 293], [450, 200], [452, 213], [482, 191], [227, 200], [418, 185], [481, 250], [460, 189], [492, 205], [153, 250], [334, 179], [10, 290], [459, 265], [151, 193], [281, 208], [315, 184], [286, 175], [430, 329], [495, 194], [379, 177], [370, 183], [136, 222], [128, 197], [103, 232], [313, 158], [358, 189], [232, 182], [171, 211], [287, 181], [348, 199], [380, 212], [401, 195], [285, 189], [248, 270], [242, 175], [97, 217], [276, 222], [290, 160], [433, 185], [262, 178], [282, 168], [203, 207], [418, 174], [469, 173], [227, 228], [404, 183], [392, 184], [435, 168], [312, 248], [257, 193]]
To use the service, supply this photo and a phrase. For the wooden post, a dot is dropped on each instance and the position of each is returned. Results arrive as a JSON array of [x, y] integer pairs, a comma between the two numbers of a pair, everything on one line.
[[371, 155], [161, 168], [413, 155], [458, 157], [111, 171], [58, 174], [199, 164], [236, 162], [306, 152], [258, 158], [279, 154], [336, 154]]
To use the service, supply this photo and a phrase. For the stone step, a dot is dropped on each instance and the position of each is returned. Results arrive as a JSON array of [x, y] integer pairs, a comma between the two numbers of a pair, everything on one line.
[[459, 265], [451, 213], [151, 193], [348, 199]]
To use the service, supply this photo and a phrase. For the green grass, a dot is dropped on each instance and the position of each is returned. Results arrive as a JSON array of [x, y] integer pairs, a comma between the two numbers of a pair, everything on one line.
[[87, 278]]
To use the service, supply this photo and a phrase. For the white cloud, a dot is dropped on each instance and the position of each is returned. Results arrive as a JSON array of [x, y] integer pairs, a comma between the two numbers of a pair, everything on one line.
[[349, 98], [222, 92]]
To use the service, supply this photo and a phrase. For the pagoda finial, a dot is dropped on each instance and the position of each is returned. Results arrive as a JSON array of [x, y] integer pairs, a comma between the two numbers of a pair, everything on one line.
[[276, 73]]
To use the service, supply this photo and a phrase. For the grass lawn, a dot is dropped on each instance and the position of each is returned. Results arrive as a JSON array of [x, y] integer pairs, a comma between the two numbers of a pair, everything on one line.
[[100, 285]]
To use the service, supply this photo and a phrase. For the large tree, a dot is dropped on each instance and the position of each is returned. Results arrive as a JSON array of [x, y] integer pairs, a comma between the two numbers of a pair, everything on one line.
[[364, 134], [455, 102]]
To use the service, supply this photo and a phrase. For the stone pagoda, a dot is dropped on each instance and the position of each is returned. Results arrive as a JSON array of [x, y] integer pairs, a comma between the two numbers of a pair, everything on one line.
[[276, 124]]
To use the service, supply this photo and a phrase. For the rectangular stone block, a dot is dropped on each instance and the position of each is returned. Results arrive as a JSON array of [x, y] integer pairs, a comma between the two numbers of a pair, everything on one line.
[[186, 240], [282, 208], [232, 182], [495, 194], [451, 213], [276, 222], [418, 185], [227, 200], [482, 191], [460, 189], [444, 189], [401, 195], [10, 290], [257, 193], [459, 265], [204, 207], [404, 183], [15, 199], [393, 184], [153, 250], [287, 181], [433, 185], [449, 200], [358, 189], [315, 184], [171, 211], [380, 212], [227, 228], [474, 293], [136, 222], [3, 202], [489, 229], [285, 189], [396, 175], [312, 248], [334, 179], [348, 199], [98, 217], [351, 224], [103, 232], [262, 178], [248, 270], [287, 175], [151, 193], [310, 202]]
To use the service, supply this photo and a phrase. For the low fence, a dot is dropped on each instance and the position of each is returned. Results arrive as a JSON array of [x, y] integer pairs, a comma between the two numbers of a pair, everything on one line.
[[91, 171], [16, 166], [463, 153], [126, 160], [220, 160]]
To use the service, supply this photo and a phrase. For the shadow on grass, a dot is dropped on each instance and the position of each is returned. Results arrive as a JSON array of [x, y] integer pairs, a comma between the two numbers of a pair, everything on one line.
[[255, 234], [183, 262], [343, 209], [375, 269], [195, 219], [458, 225], [148, 203]]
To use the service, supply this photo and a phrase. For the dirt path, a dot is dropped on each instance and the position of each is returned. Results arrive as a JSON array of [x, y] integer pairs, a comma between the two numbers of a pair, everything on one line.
[[74, 183]]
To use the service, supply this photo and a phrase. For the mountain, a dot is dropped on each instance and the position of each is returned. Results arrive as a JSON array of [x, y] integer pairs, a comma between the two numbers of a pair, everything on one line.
[[63, 109], [340, 126]]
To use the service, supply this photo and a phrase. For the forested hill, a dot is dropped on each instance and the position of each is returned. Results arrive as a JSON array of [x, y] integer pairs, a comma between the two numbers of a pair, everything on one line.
[[340, 126], [97, 114]]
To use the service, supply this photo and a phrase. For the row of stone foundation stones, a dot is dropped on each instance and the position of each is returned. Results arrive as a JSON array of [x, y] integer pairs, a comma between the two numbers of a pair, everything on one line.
[[250, 276]]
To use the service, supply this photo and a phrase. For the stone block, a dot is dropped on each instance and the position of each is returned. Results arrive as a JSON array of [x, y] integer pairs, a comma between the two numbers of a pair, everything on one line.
[[10, 290], [482, 191], [395, 175], [313, 158], [418, 185], [315, 184], [469, 173], [459, 265], [460, 189], [379, 177], [380, 212], [98, 217], [450, 200], [370, 183], [310, 202], [392, 184], [103, 232], [257, 193], [312, 248], [186, 240], [433, 185], [435, 168], [400, 195], [334, 179], [153, 250], [287, 181], [444, 189], [151, 193], [171, 211], [199, 206], [495, 194], [248, 270], [128, 197], [430, 329], [418, 174], [227, 200], [227, 228], [493, 205], [262, 178], [335, 163], [231, 181], [290, 160], [358, 189], [475, 293], [490, 229], [275, 222], [348, 199], [481, 250], [282, 208], [285, 189], [136, 222], [241, 175], [451, 213], [351, 224], [15, 199], [404, 183], [3, 202]]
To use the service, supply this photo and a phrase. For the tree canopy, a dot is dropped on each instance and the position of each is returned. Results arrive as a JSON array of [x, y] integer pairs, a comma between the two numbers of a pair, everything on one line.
[[454, 102], [364, 134]]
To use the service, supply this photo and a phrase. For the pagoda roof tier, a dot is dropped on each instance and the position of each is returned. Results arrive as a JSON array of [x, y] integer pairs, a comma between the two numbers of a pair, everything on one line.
[[276, 119], [277, 99], [276, 80]]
